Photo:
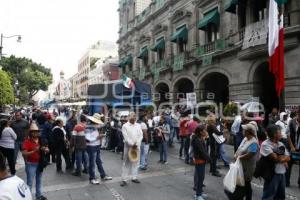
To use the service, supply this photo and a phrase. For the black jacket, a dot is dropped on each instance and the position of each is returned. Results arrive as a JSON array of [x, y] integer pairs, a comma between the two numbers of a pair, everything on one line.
[[212, 142], [199, 149], [58, 139]]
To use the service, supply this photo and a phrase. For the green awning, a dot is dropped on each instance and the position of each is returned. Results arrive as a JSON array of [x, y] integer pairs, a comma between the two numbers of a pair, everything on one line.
[[212, 17], [180, 35], [122, 64], [128, 60], [160, 44], [230, 5], [143, 54], [125, 61]]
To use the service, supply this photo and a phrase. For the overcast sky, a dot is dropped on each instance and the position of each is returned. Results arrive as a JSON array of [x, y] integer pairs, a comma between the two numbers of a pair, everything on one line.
[[57, 32]]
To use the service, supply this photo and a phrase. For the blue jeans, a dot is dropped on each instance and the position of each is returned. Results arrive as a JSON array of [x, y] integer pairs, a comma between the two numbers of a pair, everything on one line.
[[199, 176], [275, 189], [170, 142], [176, 132], [144, 155], [18, 148], [163, 148], [31, 173], [80, 156], [187, 142], [94, 158], [182, 142], [223, 154]]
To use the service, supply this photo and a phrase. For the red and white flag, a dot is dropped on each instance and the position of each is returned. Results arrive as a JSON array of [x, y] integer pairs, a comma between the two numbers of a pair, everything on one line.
[[276, 44]]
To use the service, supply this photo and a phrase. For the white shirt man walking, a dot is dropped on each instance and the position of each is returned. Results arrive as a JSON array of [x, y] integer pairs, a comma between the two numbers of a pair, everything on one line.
[[133, 135], [11, 186]]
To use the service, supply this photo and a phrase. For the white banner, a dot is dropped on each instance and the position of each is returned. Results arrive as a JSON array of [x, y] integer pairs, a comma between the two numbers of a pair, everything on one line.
[[191, 99], [256, 34]]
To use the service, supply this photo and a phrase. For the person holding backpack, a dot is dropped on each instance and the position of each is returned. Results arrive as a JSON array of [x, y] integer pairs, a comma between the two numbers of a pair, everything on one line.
[[275, 151]]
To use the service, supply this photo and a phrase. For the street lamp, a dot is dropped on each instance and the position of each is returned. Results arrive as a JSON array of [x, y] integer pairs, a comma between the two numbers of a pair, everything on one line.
[[19, 38]]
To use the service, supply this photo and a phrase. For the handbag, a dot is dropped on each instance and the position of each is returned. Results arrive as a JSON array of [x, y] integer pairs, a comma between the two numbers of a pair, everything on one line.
[[265, 168], [220, 139]]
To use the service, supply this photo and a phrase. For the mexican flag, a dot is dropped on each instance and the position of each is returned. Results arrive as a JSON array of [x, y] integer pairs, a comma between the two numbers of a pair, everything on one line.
[[276, 44], [127, 82]]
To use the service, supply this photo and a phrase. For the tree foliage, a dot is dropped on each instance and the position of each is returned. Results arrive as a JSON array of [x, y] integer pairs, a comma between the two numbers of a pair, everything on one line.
[[31, 76], [6, 89]]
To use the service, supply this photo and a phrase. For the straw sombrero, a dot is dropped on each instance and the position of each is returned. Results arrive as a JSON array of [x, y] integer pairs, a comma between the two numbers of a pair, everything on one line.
[[96, 118], [34, 127], [133, 155]]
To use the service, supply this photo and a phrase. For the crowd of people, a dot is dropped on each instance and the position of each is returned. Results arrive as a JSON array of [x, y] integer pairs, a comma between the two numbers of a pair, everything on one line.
[[45, 138]]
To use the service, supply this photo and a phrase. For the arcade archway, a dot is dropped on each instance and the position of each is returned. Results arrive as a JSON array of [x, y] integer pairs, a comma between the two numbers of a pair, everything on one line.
[[182, 87], [162, 93], [215, 87], [264, 87]]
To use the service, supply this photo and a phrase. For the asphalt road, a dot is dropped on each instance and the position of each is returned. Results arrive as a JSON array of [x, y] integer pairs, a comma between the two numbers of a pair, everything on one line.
[[173, 181]]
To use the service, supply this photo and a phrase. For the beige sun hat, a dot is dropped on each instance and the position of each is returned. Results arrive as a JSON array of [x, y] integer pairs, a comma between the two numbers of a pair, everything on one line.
[[34, 127], [133, 155], [96, 118], [250, 127]]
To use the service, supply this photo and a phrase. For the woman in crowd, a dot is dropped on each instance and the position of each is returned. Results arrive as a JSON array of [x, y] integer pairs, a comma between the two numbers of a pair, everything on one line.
[[61, 145], [247, 153], [213, 145], [164, 135], [200, 158], [183, 134], [33, 149], [7, 144]]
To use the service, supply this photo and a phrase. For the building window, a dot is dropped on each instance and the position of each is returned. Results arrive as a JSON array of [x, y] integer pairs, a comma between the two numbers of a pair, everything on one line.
[[145, 61], [161, 54], [210, 25], [287, 11], [259, 10], [181, 46], [212, 33], [242, 13], [159, 48]]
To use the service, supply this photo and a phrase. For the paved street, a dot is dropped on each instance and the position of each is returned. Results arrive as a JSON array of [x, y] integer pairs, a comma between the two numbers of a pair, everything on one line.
[[161, 182]]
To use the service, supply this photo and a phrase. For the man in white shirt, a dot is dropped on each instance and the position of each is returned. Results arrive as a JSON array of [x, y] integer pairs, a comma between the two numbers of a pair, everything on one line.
[[133, 135], [12, 187], [145, 143]]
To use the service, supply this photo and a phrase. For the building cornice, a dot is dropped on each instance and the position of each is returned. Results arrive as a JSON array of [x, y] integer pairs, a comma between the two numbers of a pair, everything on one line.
[[157, 29], [180, 15], [151, 17], [144, 38]]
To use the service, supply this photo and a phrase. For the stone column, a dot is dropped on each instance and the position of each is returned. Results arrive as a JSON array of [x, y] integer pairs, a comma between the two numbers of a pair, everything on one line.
[[195, 31], [169, 46]]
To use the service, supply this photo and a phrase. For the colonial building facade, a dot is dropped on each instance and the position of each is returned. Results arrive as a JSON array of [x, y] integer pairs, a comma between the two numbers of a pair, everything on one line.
[[215, 48], [87, 63]]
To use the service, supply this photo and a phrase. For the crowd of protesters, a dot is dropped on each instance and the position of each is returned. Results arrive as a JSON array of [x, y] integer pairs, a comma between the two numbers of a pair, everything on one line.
[[45, 138]]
